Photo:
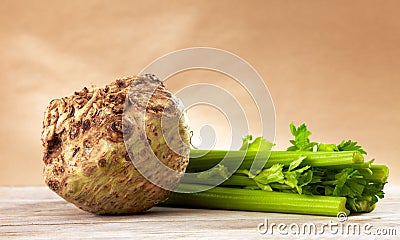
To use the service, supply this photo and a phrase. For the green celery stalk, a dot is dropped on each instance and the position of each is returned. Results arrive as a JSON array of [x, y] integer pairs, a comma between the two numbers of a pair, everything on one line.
[[256, 200], [240, 181], [201, 160], [234, 180], [379, 174]]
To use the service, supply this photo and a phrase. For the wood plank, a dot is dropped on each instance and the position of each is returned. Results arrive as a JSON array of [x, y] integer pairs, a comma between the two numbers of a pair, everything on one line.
[[37, 212]]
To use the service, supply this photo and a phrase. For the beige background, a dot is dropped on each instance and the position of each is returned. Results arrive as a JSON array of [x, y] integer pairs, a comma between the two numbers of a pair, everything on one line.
[[334, 65]]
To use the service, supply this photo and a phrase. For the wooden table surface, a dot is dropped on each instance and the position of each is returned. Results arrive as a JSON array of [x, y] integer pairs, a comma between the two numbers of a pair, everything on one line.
[[38, 213]]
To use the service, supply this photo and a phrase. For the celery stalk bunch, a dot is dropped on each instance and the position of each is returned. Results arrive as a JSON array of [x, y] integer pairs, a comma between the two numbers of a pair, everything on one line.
[[307, 178]]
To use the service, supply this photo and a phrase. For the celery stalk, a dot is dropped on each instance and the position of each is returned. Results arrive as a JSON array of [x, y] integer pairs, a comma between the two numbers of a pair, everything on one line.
[[256, 200], [201, 160], [234, 180], [308, 178], [379, 173]]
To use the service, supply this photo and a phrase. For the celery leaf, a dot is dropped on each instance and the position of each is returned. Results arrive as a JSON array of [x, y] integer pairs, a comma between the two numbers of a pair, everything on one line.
[[301, 140]]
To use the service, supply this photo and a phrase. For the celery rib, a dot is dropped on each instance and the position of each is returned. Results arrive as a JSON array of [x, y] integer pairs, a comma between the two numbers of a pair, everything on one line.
[[201, 160], [255, 200], [234, 180], [303, 180], [379, 174]]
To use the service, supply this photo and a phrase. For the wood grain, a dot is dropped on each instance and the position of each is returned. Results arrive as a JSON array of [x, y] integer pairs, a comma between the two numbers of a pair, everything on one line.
[[38, 213]]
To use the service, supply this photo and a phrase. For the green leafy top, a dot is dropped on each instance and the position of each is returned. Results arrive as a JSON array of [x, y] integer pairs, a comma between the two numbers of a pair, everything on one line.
[[258, 144], [302, 142], [350, 146]]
